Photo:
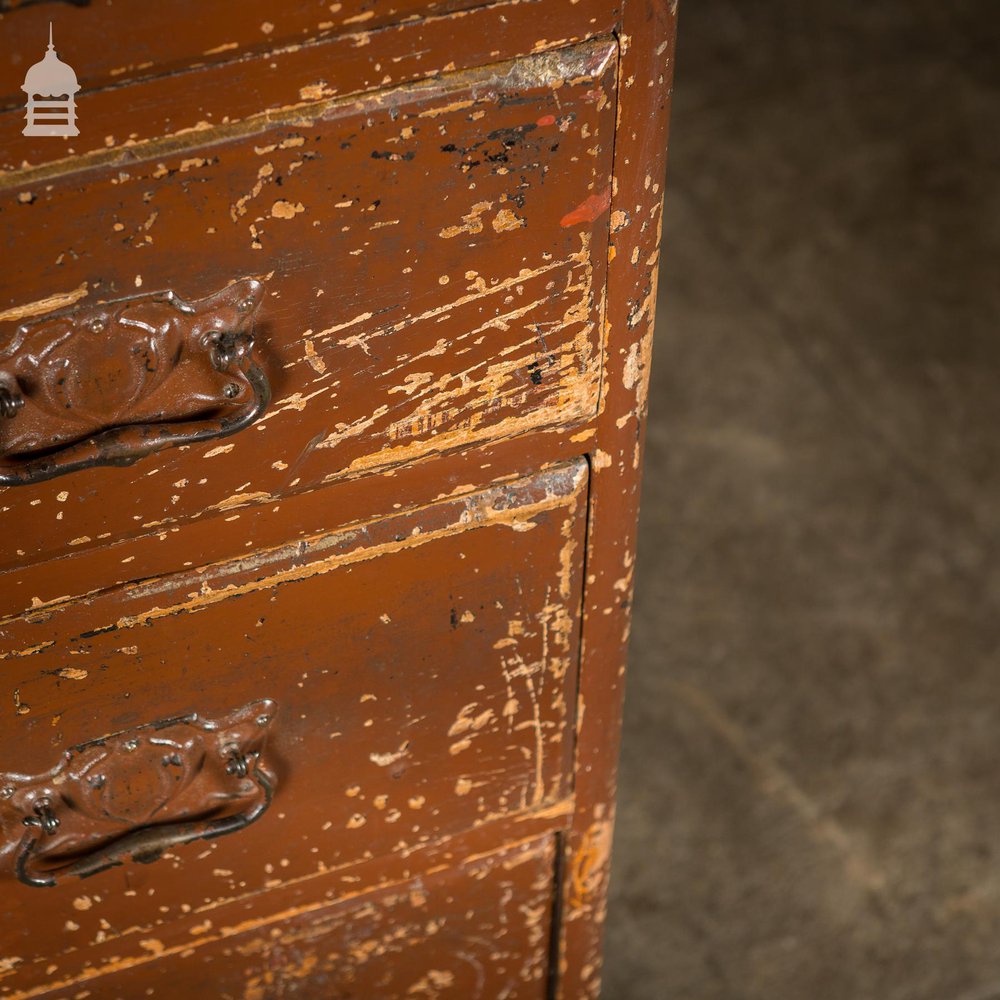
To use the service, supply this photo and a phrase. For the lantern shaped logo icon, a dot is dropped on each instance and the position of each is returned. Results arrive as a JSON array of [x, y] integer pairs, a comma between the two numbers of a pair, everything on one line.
[[51, 86]]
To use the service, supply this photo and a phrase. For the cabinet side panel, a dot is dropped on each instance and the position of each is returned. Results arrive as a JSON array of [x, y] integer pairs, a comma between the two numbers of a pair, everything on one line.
[[646, 66]]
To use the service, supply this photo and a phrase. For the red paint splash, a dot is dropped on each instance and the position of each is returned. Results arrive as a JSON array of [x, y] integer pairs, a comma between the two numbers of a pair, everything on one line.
[[588, 210], [546, 120]]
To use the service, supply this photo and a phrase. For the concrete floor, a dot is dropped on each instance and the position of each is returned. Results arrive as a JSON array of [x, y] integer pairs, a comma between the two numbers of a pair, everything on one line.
[[810, 787]]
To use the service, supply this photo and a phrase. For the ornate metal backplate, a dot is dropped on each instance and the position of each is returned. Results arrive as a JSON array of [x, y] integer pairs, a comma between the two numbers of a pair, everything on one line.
[[109, 383], [135, 793]]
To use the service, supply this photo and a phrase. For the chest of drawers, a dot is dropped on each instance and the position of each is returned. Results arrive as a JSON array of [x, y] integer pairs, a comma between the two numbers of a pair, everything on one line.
[[323, 358]]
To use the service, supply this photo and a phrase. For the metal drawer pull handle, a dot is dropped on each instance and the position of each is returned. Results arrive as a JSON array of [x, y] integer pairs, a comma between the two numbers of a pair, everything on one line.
[[135, 794], [112, 383]]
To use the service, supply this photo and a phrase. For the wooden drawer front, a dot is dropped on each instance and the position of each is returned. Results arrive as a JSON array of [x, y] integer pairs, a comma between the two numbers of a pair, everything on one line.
[[143, 80], [477, 932], [133, 39], [422, 674], [431, 259]]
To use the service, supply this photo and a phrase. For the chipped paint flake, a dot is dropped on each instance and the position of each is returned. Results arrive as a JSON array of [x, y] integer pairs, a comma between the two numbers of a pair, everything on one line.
[[282, 209]]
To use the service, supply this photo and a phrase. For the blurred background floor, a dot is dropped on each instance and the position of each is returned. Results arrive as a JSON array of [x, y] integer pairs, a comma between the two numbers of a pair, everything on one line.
[[810, 786]]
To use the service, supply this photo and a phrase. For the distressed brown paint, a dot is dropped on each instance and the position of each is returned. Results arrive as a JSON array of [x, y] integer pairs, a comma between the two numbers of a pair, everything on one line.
[[394, 321], [166, 109], [645, 74], [478, 930], [416, 553], [158, 40]]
